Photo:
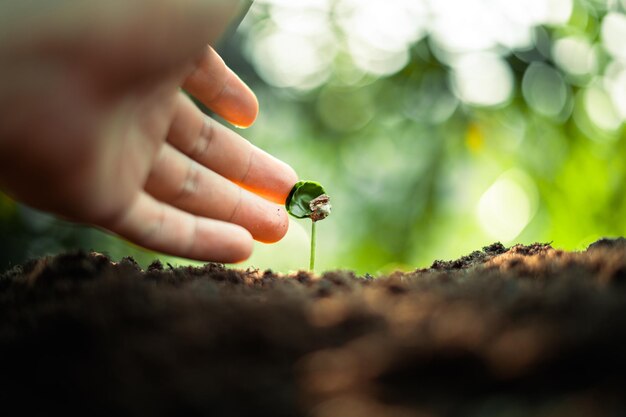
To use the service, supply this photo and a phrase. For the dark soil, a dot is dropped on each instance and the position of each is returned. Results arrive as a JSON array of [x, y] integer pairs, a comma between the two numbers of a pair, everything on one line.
[[518, 332]]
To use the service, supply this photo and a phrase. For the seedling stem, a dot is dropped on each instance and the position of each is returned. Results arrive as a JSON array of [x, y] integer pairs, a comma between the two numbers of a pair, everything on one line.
[[313, 239], [308, 199]]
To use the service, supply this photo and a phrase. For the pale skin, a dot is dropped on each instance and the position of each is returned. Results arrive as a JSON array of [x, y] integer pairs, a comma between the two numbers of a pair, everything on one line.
[[96, 128]]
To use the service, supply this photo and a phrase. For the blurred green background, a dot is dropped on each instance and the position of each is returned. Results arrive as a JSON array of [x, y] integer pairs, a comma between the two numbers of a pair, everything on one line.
[[437, 127]]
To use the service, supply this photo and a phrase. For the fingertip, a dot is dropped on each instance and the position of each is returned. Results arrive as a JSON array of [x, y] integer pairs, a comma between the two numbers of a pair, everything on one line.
[[282, 183], [222, 90], [270, 178], [247, 112], [240, 247], [276, 228], [235, 243], [291, 178]]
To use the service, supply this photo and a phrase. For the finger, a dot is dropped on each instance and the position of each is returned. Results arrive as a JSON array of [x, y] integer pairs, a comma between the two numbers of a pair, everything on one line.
[[182, 182], [228, 154], [221, 90], [163, 228]]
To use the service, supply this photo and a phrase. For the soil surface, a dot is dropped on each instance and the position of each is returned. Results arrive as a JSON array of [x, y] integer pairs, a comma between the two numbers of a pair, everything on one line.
[[523, 331]]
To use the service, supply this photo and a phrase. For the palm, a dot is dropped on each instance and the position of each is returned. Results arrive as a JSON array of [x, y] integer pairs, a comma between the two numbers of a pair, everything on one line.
[[136, 129]]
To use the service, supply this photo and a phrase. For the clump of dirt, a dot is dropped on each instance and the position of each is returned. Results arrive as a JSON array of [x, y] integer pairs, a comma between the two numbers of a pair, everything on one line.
[[528, 330], [473, 259]]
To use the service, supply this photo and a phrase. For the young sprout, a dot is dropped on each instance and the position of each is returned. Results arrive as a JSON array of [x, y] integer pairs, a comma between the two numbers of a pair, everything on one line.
[[308, 199]]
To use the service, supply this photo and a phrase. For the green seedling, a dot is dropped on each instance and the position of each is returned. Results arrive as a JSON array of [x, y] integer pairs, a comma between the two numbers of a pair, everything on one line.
[[308, 199]]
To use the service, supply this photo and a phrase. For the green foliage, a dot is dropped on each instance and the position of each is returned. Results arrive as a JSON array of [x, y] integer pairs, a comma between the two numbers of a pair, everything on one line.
[[301, 195]]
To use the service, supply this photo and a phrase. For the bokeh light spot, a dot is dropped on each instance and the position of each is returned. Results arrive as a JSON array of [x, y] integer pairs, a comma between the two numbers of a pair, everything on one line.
[[286, 59], [379, 36], [600, 109], [576, 55], [614, 34], [303, 19], [506, 208], [429, 100], [545, 90], [463, 26], [557, 12], [383, 27], [344, 109], [376, 61], [615, 82], [482, 79]]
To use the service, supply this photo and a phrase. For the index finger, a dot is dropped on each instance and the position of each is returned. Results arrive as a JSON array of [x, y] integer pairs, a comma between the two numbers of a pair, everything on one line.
[[221, 90]]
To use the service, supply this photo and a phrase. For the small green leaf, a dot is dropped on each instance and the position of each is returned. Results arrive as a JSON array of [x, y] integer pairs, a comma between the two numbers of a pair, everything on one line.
[[300, 196]]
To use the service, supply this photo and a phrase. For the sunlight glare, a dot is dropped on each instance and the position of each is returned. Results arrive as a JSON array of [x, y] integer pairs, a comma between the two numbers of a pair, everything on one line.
[[379, 34], [576, 55], [482, 79], [289, 60], [615, 82], [506, 208], [600, 109], [614, 34]]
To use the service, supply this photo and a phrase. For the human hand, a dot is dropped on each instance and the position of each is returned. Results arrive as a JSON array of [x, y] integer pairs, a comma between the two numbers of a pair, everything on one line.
[[95, 128]]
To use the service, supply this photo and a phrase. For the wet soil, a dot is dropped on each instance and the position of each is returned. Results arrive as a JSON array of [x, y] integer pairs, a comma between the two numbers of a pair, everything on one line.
[[520, 331]]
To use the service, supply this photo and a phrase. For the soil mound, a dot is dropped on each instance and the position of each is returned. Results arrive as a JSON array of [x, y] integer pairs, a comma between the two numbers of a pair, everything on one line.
[[527, 330]]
